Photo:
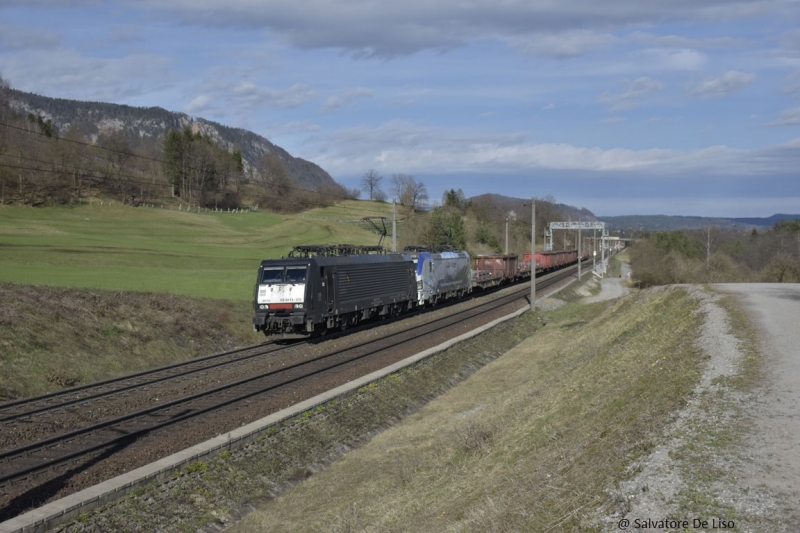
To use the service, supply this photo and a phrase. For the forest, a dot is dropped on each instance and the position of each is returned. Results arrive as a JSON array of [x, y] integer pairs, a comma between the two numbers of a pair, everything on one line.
[[42, 165], [717, 255]]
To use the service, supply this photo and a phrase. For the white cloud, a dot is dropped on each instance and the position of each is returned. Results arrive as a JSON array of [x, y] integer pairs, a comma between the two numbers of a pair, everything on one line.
[[612, 120], [400, 146], [633, 95], [564, 44], [251, 96], [679, 42], [402, 103], [127, 33], [64, 73], [294, 127], [725, 85], [198, 105], [674, 58], [790, 42], [25, 38], [387, 29], [792, 84], [345, 99], [549, 106], [789, 117]]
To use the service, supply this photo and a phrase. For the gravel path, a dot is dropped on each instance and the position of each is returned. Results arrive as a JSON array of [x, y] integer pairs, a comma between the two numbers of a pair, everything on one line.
[[775, 310], [611, 288], [732, 453]]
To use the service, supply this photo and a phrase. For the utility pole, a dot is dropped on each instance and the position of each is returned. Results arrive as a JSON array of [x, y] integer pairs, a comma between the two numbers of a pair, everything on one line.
[[394, 225], [506, 252], [533, 254], [603, 251], [594, 249], [579, 254]]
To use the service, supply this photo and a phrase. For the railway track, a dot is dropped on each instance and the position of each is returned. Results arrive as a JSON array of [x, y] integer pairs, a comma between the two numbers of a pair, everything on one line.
[[29, 407], [34, 463]]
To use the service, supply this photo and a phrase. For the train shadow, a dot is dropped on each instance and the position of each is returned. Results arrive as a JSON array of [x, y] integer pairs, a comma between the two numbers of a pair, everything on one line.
[[42, 494]]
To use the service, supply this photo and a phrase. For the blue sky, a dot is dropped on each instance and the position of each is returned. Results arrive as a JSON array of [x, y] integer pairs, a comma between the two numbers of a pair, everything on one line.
[[684, 107]]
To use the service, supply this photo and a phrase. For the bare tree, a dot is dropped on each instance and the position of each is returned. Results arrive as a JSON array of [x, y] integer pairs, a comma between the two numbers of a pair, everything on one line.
[[708, 238], [399, 186], [4, 114], [274, 178], [119, 153], [5, 110], [485, 210], [418, 193], [371, 183], [409, 191]]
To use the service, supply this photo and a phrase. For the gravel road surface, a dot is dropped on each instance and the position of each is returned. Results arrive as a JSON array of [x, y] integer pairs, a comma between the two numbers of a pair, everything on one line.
[[611, 288], [775, 310]]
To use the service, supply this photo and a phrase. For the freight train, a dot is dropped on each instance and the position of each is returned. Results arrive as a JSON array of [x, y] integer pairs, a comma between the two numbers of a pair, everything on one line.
[[317, 290]]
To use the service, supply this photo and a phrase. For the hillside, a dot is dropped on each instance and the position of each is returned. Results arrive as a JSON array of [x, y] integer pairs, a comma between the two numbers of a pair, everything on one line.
[[765, 222], [671, 223], [144, 127], [518, 205]]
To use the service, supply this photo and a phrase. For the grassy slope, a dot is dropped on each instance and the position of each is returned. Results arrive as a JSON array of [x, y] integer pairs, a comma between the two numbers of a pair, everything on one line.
[[529, 443], [160, 250], [87, 299], [52, 337]]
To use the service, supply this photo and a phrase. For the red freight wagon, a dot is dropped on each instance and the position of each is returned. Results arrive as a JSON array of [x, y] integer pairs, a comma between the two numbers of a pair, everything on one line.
[[494, 269], [555, 259]]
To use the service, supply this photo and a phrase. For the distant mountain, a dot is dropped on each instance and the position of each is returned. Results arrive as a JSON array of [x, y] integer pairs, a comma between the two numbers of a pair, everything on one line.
[[507, 203], [144, 128], [671, 223], [769, 221]]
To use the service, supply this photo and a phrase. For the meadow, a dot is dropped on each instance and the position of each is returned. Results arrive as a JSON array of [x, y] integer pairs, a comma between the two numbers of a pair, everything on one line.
[[206, 254]]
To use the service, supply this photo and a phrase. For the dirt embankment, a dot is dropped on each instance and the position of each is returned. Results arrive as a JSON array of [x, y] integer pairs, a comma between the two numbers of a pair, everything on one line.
[[52, 338]]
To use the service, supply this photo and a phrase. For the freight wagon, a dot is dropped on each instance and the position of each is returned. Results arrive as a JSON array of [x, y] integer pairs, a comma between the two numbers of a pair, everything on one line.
[[546, 261], [492, 270]]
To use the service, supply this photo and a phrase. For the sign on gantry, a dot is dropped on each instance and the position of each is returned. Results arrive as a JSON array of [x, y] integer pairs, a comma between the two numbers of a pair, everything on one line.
[[577, 225]]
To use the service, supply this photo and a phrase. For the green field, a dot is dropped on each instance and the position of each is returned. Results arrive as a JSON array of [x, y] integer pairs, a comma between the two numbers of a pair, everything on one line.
[[162, 250]]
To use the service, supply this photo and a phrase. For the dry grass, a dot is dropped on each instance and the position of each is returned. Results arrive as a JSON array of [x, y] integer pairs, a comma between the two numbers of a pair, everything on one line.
[[531, 442], [52, 338]]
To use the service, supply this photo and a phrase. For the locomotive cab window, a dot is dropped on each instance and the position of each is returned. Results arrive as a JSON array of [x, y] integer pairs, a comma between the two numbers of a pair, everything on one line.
[[296, 274], [272, 275]]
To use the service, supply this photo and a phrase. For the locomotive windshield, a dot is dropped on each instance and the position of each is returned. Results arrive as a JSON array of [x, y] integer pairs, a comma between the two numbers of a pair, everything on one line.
[[290, 274], [272, 275], [296, 274]]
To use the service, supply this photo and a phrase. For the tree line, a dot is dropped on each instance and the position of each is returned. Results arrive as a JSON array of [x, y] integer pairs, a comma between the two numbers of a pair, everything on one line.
[[715, 255], [476, 224]]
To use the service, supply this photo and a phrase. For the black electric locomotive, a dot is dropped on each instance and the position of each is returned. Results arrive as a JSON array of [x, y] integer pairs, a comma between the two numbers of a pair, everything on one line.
[[310, 295]]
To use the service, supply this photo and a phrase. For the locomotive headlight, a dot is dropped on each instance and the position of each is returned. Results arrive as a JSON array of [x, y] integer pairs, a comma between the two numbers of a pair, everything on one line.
[[298, 306]]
